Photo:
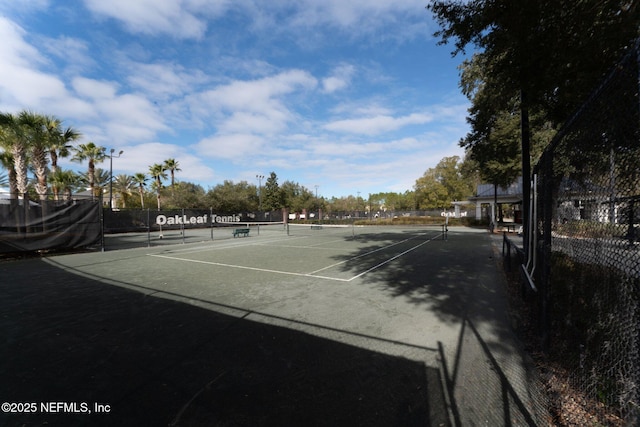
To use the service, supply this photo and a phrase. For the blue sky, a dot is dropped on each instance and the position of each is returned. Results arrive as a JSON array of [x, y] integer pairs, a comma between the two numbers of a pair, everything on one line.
[[351, 96]]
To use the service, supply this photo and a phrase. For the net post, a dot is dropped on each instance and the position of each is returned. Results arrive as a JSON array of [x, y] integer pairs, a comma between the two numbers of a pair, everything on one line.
[[211, 219]]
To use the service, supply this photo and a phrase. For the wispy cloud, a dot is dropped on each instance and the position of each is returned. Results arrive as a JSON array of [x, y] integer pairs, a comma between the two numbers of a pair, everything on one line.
[[152, 17], [340, 78], [375, 125]]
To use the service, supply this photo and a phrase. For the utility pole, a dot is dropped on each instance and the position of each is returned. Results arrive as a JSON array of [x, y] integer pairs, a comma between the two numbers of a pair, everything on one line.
[[111, 156]]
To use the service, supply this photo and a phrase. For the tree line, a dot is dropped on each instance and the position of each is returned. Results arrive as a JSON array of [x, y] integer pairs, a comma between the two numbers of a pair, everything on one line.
[[533, 64], [31, 145]]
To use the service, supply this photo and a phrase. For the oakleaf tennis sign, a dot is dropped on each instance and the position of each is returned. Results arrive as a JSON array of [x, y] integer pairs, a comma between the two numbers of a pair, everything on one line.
[[202, 219]]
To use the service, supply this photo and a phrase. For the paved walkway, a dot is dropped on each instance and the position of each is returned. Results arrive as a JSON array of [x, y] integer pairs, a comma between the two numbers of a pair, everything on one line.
[[426, 342]]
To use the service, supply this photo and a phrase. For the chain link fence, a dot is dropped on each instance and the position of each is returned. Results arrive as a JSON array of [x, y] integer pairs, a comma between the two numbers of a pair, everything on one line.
[[582, 266]]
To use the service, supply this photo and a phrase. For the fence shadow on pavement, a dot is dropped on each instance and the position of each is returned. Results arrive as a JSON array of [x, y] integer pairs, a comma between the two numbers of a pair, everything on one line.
[[158, 361], [480, 389]]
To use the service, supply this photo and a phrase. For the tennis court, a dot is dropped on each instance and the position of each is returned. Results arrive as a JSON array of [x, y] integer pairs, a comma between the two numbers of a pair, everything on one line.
[[314, 325]]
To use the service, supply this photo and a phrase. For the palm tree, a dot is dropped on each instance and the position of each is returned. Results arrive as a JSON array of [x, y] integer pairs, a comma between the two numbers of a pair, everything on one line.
[[34, 132], [100, 178], [172, 165], [64, 181], [59, 140], [94, 154], [140, 180], [13, 140], [6, 160], [158, 173], [122, 186]]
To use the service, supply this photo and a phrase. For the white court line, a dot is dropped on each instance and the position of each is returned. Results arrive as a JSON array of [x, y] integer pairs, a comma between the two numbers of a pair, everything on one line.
[[312, 274], [391, 259], [264, 270], [227, 244], [361, 255]]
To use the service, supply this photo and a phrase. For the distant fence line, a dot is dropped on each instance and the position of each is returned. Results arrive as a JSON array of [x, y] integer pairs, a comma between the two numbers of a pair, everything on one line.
[[36, 225]]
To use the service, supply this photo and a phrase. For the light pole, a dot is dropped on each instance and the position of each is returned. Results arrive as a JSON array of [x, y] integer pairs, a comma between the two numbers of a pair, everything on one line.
[[260, 191], [111, 156]]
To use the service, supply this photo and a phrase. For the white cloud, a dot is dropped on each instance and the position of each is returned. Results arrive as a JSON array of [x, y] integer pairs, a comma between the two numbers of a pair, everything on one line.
[[340, 78], [126, 117], [377, 124], [256, 106], [152, 16], [163, 80], [361, 17], [230, 147], [21, 83]]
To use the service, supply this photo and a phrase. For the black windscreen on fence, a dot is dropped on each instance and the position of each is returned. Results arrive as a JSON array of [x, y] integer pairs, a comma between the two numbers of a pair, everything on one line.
[[128, 228], [46, 225]]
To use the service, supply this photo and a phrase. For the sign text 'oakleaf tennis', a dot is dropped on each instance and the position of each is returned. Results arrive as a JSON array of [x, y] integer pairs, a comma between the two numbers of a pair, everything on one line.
[[202, 219]]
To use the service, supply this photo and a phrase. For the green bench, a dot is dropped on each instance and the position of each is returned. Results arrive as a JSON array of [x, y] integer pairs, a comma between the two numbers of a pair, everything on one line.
[[241, 232]]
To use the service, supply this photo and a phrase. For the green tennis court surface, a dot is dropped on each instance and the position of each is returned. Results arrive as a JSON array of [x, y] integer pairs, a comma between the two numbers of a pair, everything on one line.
[[323, 326]]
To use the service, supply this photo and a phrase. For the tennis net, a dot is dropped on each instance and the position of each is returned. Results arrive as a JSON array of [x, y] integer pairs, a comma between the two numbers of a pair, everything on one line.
[[428, 231]]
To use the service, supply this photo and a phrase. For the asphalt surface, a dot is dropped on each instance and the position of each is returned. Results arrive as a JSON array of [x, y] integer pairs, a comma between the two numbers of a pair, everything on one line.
[[171, 336]]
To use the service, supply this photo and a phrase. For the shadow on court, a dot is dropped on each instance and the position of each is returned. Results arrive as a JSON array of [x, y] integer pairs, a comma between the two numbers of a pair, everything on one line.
[[489, 379], [71, 343]]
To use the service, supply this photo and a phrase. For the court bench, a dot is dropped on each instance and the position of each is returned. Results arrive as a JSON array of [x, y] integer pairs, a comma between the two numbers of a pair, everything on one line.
[[241, 232]]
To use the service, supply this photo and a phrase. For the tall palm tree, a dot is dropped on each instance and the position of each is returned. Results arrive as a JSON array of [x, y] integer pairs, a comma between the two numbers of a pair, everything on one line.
[[34, 132], [94, 154], [14, 142], [59, 140], [158, 173], [122, 185], [140, 181], [173, 166]]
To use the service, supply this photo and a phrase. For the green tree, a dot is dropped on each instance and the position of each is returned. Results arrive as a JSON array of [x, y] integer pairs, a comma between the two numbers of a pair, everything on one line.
[[93, 154], [230, 197], [35, 134], [158, 173], [297, 197], [547, 55], [187, 195], [14, 141], [442, 184], [122, 186], [100, 178], [140, 181], [6, 160], [64, 181], [272, 199], [173, 166], [60, 140]]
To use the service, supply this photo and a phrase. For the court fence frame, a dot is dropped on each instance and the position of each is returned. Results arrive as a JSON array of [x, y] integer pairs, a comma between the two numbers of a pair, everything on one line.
[[580, 266]]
